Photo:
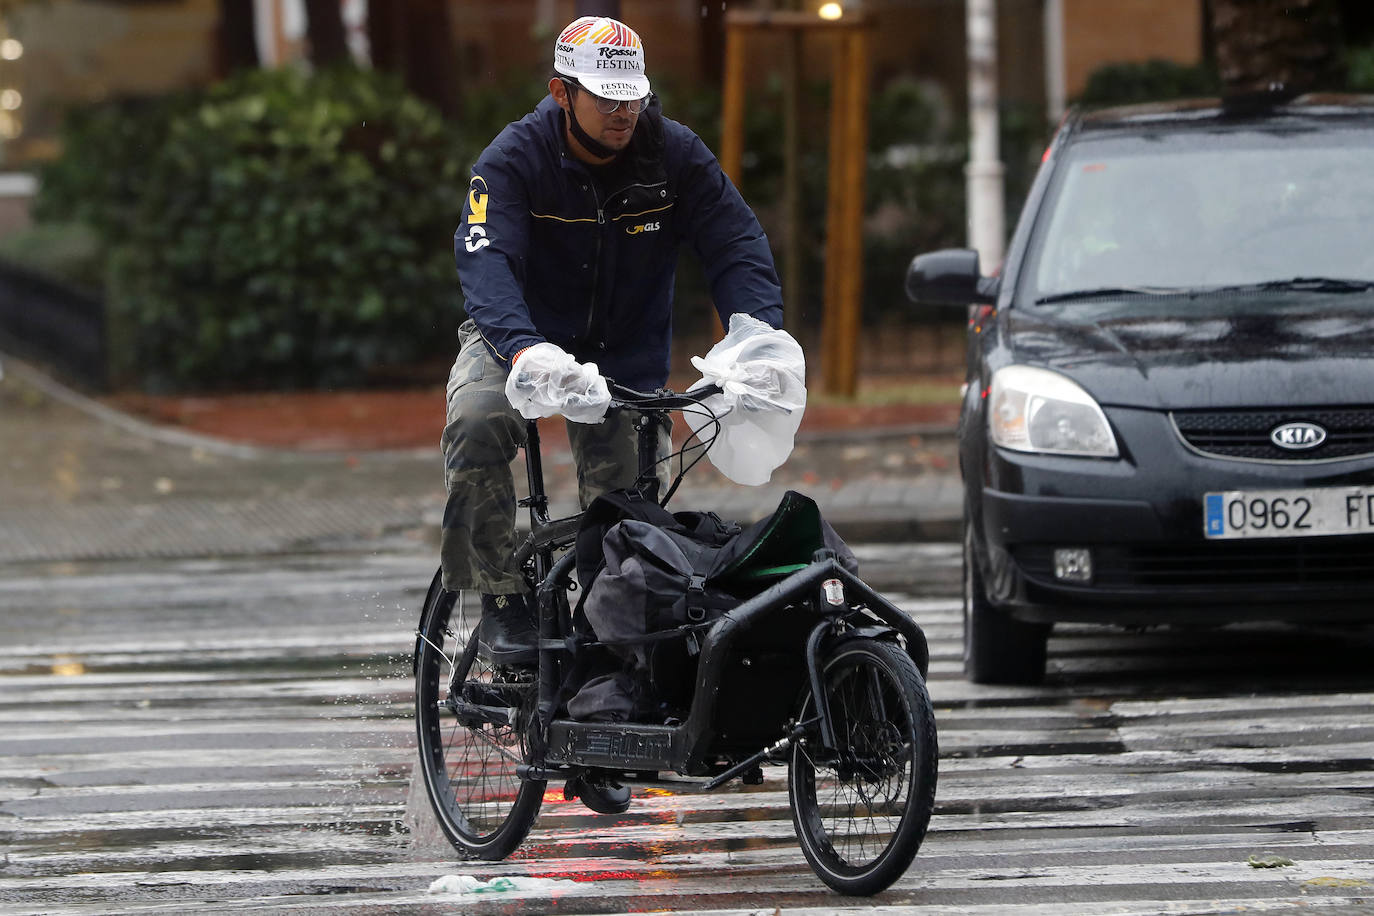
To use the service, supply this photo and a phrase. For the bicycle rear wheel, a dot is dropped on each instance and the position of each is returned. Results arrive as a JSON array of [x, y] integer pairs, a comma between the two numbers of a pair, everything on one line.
[[861, 811], [471, 720]]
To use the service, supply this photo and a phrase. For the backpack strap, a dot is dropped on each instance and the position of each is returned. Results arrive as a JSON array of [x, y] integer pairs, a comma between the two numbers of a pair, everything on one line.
[[707, 527], [604, 511], [696, 598]]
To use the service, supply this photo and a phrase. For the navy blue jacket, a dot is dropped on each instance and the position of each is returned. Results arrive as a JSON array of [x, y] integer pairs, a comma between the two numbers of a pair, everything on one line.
[[546, 253]]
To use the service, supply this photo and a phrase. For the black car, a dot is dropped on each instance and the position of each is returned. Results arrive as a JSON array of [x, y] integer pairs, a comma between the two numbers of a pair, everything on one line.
[[1169, 416]]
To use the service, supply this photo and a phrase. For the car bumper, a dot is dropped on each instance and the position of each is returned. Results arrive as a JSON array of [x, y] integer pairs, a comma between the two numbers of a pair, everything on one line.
[[1141, 520]]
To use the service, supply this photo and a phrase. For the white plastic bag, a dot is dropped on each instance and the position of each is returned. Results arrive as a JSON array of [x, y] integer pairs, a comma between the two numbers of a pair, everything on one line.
[[762, 375], [546, 380]]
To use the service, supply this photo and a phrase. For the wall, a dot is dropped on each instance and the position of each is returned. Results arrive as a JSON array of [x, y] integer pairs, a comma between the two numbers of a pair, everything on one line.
[[495, 40], [77, 51], [1135, 30]]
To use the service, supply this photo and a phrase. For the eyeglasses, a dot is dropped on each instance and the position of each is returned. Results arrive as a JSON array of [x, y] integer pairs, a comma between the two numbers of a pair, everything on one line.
[[608, 106]]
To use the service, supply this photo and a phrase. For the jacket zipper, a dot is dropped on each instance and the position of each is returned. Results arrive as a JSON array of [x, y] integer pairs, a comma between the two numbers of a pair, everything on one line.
[[600, 232], [596, 260]]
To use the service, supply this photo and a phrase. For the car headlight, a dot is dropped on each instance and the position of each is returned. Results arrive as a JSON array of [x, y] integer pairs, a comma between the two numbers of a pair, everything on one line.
[[1036, 410]]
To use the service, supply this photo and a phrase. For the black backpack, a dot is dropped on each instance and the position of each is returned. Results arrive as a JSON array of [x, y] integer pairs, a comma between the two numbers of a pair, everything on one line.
[[654, 581]]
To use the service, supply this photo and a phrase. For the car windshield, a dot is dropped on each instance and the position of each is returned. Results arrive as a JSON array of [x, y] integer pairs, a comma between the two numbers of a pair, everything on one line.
[[1198, 211]]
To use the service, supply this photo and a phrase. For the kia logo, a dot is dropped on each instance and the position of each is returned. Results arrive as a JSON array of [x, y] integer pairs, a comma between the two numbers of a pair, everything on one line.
[[1297, 436]]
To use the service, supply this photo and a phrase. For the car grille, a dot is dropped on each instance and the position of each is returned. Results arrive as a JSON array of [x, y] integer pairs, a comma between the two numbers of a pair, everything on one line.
[[1330, 561], [1245, 433]]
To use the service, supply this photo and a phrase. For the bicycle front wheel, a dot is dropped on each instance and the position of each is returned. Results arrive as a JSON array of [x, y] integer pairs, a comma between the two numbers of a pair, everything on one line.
[[471, 720], [862, 809]]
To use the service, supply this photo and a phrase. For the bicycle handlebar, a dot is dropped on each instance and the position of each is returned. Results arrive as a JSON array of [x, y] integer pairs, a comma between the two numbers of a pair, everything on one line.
[[663, 399]]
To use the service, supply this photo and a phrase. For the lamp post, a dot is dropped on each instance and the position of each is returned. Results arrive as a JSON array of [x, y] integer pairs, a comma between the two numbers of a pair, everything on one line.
[[984, 172]]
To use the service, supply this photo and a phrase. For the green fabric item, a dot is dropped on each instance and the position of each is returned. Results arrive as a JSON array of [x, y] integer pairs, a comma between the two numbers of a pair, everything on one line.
[[773, 572], [791, 536]]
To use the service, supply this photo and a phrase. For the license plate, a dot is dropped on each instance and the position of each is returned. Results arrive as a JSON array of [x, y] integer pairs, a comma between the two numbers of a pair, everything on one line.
[[1288, 513]]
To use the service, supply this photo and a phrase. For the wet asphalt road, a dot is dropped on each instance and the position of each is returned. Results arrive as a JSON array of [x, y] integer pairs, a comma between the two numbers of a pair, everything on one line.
[[236, 736]]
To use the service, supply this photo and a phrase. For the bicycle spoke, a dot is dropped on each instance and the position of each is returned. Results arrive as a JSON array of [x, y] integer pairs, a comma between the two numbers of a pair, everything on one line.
[[469, 763]]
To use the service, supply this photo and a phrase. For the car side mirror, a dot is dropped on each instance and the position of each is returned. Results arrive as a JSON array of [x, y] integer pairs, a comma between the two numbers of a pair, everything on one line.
[[949, 277]]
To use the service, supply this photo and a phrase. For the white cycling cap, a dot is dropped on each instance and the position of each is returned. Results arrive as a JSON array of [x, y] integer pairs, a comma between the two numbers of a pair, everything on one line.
[[603, 55]]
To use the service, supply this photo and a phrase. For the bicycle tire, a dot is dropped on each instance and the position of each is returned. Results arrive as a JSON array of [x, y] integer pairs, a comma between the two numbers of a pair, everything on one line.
[[469, 766], [862, 811]]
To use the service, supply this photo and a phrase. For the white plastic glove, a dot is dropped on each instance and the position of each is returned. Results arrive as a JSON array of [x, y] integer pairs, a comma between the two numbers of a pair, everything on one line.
[[762, 375], [546, 380]]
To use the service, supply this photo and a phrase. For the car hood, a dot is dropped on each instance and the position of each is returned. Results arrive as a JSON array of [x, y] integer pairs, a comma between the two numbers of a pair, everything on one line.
[[1175, 355]]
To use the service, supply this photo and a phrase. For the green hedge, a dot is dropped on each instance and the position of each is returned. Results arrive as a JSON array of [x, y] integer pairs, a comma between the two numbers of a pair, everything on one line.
[[278, 230], [1148, 81], [1359, 68]]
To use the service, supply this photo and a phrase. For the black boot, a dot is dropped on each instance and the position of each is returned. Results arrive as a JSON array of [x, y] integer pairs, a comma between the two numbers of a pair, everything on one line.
[[506, 635], [598, 792]]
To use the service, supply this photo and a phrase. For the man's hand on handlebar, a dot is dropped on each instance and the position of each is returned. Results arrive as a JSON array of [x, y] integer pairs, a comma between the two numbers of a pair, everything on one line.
[[545, 380]]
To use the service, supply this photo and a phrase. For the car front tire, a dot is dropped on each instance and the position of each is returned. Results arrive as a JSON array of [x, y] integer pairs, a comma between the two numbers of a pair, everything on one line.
[[998, 649]]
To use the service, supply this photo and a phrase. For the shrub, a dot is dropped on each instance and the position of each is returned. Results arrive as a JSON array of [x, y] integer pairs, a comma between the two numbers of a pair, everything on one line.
[[1148, 81], [68, 252], [278, 230], [100, 176], [1359, 67]]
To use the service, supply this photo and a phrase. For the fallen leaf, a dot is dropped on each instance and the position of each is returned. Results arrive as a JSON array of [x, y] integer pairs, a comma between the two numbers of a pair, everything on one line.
[[1269, 860]]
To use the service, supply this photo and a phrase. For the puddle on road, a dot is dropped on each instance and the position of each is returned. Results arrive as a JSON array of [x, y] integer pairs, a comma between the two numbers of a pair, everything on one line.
[[1348, 765], [245, 663], [1029, 805], [1047, 749]]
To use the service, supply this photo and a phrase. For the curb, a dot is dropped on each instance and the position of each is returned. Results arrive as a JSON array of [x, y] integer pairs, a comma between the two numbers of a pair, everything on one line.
[[176, 437], [54, 389], [908, 530], [937, 431]]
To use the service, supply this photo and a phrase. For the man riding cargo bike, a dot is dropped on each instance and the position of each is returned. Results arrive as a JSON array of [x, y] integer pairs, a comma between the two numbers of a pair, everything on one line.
[[566, 253]]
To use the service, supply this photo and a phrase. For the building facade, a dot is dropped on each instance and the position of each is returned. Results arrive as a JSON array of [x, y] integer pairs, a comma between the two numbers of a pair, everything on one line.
[[76, 51]]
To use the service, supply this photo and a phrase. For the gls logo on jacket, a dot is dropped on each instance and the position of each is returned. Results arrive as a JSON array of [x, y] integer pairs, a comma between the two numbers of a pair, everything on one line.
[[476, 238], [642, 227]]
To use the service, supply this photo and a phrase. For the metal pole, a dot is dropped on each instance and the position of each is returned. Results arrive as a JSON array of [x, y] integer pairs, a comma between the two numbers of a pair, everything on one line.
[[1056, 93], [986, 217]]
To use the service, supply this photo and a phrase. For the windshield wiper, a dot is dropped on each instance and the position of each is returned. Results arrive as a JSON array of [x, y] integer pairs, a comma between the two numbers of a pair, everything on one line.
[[1295, 284], [1103, 292], [1306, 284]]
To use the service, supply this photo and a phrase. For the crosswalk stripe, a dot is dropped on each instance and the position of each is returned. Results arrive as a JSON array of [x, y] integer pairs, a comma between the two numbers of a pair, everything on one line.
[[258, 759]]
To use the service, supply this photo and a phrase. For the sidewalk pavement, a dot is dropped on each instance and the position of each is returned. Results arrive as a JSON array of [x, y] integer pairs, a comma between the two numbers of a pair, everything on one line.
[[83, 481]]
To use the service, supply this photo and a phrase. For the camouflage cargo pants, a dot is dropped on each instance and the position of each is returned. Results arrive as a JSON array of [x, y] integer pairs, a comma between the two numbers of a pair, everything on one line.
[[480, 440]]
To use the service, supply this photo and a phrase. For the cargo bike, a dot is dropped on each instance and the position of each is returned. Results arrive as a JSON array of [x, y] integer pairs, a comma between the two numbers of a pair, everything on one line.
[[810, 668]]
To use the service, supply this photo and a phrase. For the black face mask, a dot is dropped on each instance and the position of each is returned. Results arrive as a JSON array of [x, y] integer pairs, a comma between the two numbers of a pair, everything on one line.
[[591, 145]]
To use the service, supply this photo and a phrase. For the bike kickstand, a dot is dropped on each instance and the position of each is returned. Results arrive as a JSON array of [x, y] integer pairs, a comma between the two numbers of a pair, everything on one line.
[[754, 760]]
